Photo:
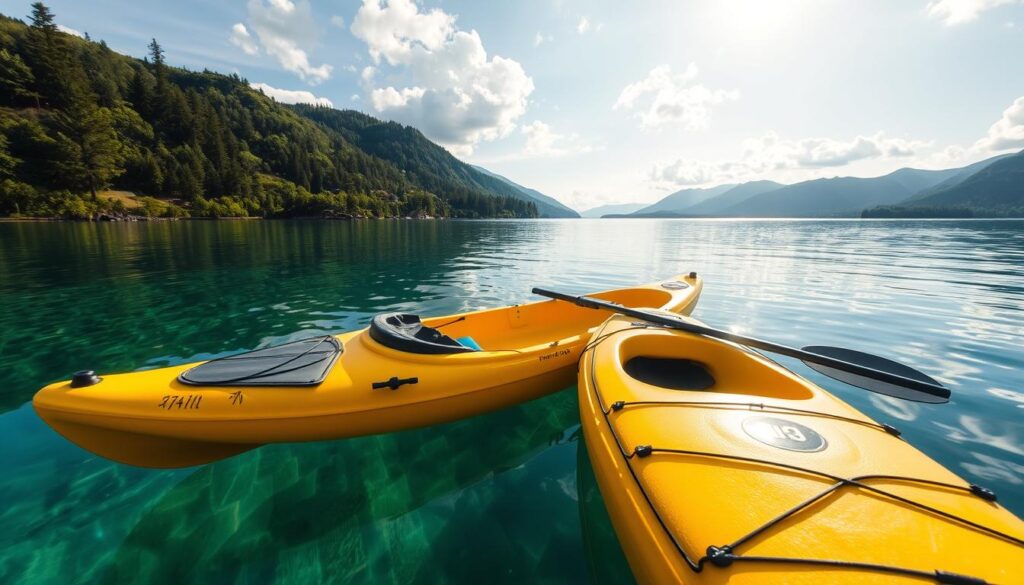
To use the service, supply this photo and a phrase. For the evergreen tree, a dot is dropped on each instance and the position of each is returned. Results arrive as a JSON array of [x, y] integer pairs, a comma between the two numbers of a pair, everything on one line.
[[16, 80], [96, 156]]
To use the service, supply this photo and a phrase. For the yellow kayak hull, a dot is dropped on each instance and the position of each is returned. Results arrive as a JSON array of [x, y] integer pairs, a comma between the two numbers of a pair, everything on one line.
[[151, 419], [739, 441]]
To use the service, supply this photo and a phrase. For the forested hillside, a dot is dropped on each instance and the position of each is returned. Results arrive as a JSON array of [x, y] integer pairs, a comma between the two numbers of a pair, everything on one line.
[[77, 118], [423, 161]]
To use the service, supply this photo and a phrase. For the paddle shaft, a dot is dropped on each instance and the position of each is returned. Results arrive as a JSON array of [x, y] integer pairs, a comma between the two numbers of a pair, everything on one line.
[[680, 324]]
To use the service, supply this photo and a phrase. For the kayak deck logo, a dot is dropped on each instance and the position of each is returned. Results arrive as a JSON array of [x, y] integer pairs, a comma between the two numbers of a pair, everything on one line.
[[784, 434]]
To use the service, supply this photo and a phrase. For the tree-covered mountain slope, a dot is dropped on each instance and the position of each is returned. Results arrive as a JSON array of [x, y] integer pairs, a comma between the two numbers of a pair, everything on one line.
[[957, 177], [547, 206], [77, 118], [995, 190]]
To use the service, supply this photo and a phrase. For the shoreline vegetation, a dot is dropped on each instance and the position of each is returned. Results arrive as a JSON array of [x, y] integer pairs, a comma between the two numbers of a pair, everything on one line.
[[78, 121]]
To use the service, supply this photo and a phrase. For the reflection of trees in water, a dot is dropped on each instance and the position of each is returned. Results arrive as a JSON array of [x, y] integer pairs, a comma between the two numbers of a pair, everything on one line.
[[342, 503]]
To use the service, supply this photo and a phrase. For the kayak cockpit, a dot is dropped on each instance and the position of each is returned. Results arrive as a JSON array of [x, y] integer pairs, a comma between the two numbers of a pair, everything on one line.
[[672, 362], [406, 332], [299, 363]]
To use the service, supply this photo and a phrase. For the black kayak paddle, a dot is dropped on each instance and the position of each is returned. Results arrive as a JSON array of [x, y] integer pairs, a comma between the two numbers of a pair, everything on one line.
[[856, 368]]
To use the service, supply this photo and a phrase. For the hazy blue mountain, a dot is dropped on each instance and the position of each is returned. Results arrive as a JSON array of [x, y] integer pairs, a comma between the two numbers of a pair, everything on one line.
[[958, 176], [839, 196], [996, 189], [836, 197], [677, 202], [547, 206], [734, 196], [614, 208]]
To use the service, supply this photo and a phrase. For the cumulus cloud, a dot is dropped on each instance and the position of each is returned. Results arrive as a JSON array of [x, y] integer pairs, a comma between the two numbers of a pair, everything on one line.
[[442, 80], [290, 96], [338, 21], [954, 12], [70, 31], [286, 31], [664, 97], [241, 38], [772, 153], [583, 25], [541, 140], [1008, 131], [540, 39], [395, 29]]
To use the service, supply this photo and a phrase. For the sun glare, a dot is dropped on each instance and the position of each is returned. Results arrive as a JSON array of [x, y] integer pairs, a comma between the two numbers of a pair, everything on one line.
[[758, 19]]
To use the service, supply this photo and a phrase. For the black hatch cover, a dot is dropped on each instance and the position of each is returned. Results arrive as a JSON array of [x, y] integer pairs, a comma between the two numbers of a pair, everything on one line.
[[299, 363]]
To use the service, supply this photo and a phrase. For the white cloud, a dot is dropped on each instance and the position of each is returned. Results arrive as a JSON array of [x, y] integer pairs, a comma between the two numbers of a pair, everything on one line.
[[366, 77], [1008, 131], [286, 30], [771, 153], [241, 38], [389, 97], [289, 96], [441, 79], [541, 140], [338, 21], [70, 31], [583, 25], [393, 30], [954, 12], [540, 39], [664, 97]]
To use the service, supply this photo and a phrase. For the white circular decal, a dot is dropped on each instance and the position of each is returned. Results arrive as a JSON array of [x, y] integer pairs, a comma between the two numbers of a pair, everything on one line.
[[784, 434]]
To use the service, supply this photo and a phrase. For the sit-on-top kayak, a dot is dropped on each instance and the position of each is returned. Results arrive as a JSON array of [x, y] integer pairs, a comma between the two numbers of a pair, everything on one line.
[[399, 373], [718, 465]]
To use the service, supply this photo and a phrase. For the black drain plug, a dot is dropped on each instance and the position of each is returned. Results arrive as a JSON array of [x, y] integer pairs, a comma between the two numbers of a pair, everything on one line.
[[83, 378]]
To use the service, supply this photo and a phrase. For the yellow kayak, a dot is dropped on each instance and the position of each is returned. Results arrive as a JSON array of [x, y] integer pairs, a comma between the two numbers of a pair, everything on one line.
[[399, 373], [718, 465]]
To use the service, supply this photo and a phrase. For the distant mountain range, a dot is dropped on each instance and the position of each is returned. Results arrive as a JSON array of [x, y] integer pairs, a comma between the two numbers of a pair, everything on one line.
[[681, 200], [996, 188], [621, 208], [992, 187]]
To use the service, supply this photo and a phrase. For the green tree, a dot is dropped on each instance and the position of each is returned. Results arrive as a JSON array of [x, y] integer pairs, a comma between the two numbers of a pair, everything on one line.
[[95, 158], [16, 80], [8, 163]]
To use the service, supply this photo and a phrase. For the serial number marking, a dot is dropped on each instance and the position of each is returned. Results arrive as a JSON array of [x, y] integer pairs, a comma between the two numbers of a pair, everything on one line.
[[236, 397], [172, 401], [557, 354]]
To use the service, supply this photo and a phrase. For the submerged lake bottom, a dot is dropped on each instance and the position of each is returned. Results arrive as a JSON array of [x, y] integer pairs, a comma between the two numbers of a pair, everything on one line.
[[506, 497]]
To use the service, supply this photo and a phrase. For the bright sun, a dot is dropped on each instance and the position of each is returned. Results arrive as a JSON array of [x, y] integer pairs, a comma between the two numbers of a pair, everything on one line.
[[758, 19]]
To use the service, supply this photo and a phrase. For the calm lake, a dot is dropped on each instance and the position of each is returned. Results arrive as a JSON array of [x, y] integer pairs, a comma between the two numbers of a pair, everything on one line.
[[505, 497]]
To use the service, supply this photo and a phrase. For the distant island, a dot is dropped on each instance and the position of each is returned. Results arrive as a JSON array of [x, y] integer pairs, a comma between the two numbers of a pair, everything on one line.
[[86, 132]]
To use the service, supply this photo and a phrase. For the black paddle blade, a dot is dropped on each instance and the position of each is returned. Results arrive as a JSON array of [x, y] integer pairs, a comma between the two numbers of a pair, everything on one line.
[[877, 363]]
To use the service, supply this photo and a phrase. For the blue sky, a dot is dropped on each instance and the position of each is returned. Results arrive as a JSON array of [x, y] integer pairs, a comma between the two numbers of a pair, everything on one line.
[[602, 102]]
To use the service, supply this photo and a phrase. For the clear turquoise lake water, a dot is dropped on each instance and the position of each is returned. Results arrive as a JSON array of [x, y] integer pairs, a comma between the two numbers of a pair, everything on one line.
[[501, 498]]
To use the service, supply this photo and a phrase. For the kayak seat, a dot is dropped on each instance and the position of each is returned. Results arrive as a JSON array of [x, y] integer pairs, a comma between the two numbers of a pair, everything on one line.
[[405, 332], [470, 342], [671, 373]]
